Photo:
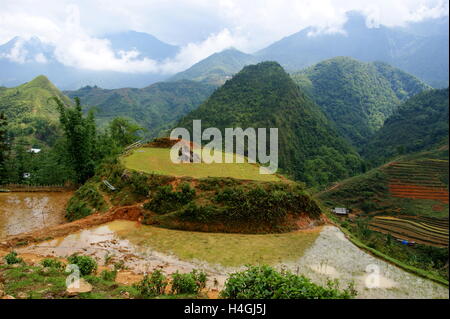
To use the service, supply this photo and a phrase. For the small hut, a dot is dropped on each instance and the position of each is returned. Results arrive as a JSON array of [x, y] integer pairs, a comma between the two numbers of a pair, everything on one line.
[[340, 211]]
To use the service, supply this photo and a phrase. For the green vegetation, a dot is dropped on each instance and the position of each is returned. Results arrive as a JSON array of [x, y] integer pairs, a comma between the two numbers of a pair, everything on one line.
[[358, 97], [400, 200], [86, 200], [152, 285], [421, 123], [12, 258], [264, 96], [155, 108], [29, 114], [190, 283], [157, 160], [52, 263], [4, 147], [86, 264], [264, 282], [249, 207], [217, 68]]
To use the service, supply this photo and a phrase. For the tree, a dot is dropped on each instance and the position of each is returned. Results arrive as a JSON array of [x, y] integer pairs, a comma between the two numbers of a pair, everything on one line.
[[123, 131], [4, 148], [80, 134]]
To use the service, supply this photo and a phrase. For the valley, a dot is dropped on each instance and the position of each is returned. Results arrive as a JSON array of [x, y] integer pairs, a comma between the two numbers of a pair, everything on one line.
[[358, 206]]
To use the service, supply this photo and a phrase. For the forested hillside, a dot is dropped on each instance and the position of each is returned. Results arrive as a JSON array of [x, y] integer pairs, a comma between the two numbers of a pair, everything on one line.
[[29, 113], [155, 108], [217, 68], [419, 124], [264, 96], [357, 96]]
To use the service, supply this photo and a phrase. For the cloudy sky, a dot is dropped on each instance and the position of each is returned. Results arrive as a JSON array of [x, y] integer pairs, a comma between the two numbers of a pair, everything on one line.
[[200, 27]]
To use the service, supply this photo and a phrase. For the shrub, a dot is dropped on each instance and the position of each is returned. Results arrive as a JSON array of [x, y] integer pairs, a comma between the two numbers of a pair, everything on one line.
[[86, 199], [12, 258], [166, 200], [190, 283], [87, 264], [153, 285], [139, 183], [52, 263], [264, 282], [108, 275]]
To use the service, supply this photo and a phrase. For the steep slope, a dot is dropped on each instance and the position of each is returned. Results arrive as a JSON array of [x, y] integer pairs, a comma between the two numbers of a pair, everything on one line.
[[419, 124], [264, 96], [155, 107], [420, 53], [406, 199], [357, 96], [217, 68], [29, 112]]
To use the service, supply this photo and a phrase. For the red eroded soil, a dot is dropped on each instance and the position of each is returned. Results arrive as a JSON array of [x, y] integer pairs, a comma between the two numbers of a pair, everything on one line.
[[419, 192]]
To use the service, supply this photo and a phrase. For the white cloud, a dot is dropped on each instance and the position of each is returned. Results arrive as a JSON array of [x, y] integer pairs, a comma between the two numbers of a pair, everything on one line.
[[17, 53], [201, 27]]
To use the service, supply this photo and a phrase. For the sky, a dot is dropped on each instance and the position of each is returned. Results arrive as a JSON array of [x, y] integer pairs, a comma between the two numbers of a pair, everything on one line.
[[199, 27]]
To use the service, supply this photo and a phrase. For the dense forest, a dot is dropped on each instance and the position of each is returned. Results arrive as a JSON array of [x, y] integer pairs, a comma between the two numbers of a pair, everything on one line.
[[358, 97], [264, 96], [420, 123], [156, 107]]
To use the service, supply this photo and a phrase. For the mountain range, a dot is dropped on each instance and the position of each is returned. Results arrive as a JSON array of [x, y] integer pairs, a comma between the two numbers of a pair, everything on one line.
[[156, 107], [264, 95], [357, 96], [420, 49]]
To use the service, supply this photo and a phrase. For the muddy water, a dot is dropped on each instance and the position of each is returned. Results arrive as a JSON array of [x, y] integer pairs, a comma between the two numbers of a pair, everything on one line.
[[328, 256], [27, 211]]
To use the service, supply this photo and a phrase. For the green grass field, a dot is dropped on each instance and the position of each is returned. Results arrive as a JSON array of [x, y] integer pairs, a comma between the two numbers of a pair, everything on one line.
[[157, 160]]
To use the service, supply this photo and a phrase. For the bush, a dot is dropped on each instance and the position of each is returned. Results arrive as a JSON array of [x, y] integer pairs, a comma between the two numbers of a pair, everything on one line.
[[153, 285], [264, 282], [108, 275], [52, 263], [86, 199], [12, 258], [87, 264], [166, 200], [188, 283]]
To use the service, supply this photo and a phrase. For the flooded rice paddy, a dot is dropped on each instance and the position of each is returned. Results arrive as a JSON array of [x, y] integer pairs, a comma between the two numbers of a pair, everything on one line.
[[22, 212], [319, 254]]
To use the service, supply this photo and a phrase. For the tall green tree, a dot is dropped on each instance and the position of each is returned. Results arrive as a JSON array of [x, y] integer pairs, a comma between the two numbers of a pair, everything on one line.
[[123, 131], [80, 134], [4, 148]]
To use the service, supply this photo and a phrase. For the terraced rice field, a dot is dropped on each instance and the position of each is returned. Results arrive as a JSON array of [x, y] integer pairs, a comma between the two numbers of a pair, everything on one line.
[[422, 230], [421, 179]]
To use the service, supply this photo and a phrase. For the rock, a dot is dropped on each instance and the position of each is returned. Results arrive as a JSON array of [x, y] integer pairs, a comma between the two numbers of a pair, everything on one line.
[[74, 289], [22, 295], [8, 297], [126, 294]]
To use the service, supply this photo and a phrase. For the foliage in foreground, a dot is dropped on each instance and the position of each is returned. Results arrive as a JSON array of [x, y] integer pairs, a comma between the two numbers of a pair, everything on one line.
[[264, 282], [87, 264]]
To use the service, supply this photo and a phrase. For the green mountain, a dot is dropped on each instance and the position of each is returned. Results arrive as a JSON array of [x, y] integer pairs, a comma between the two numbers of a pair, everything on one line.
[[419, 124], [357, 96], [264, 96], [30, 114], [217, 68], [156, 107]]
